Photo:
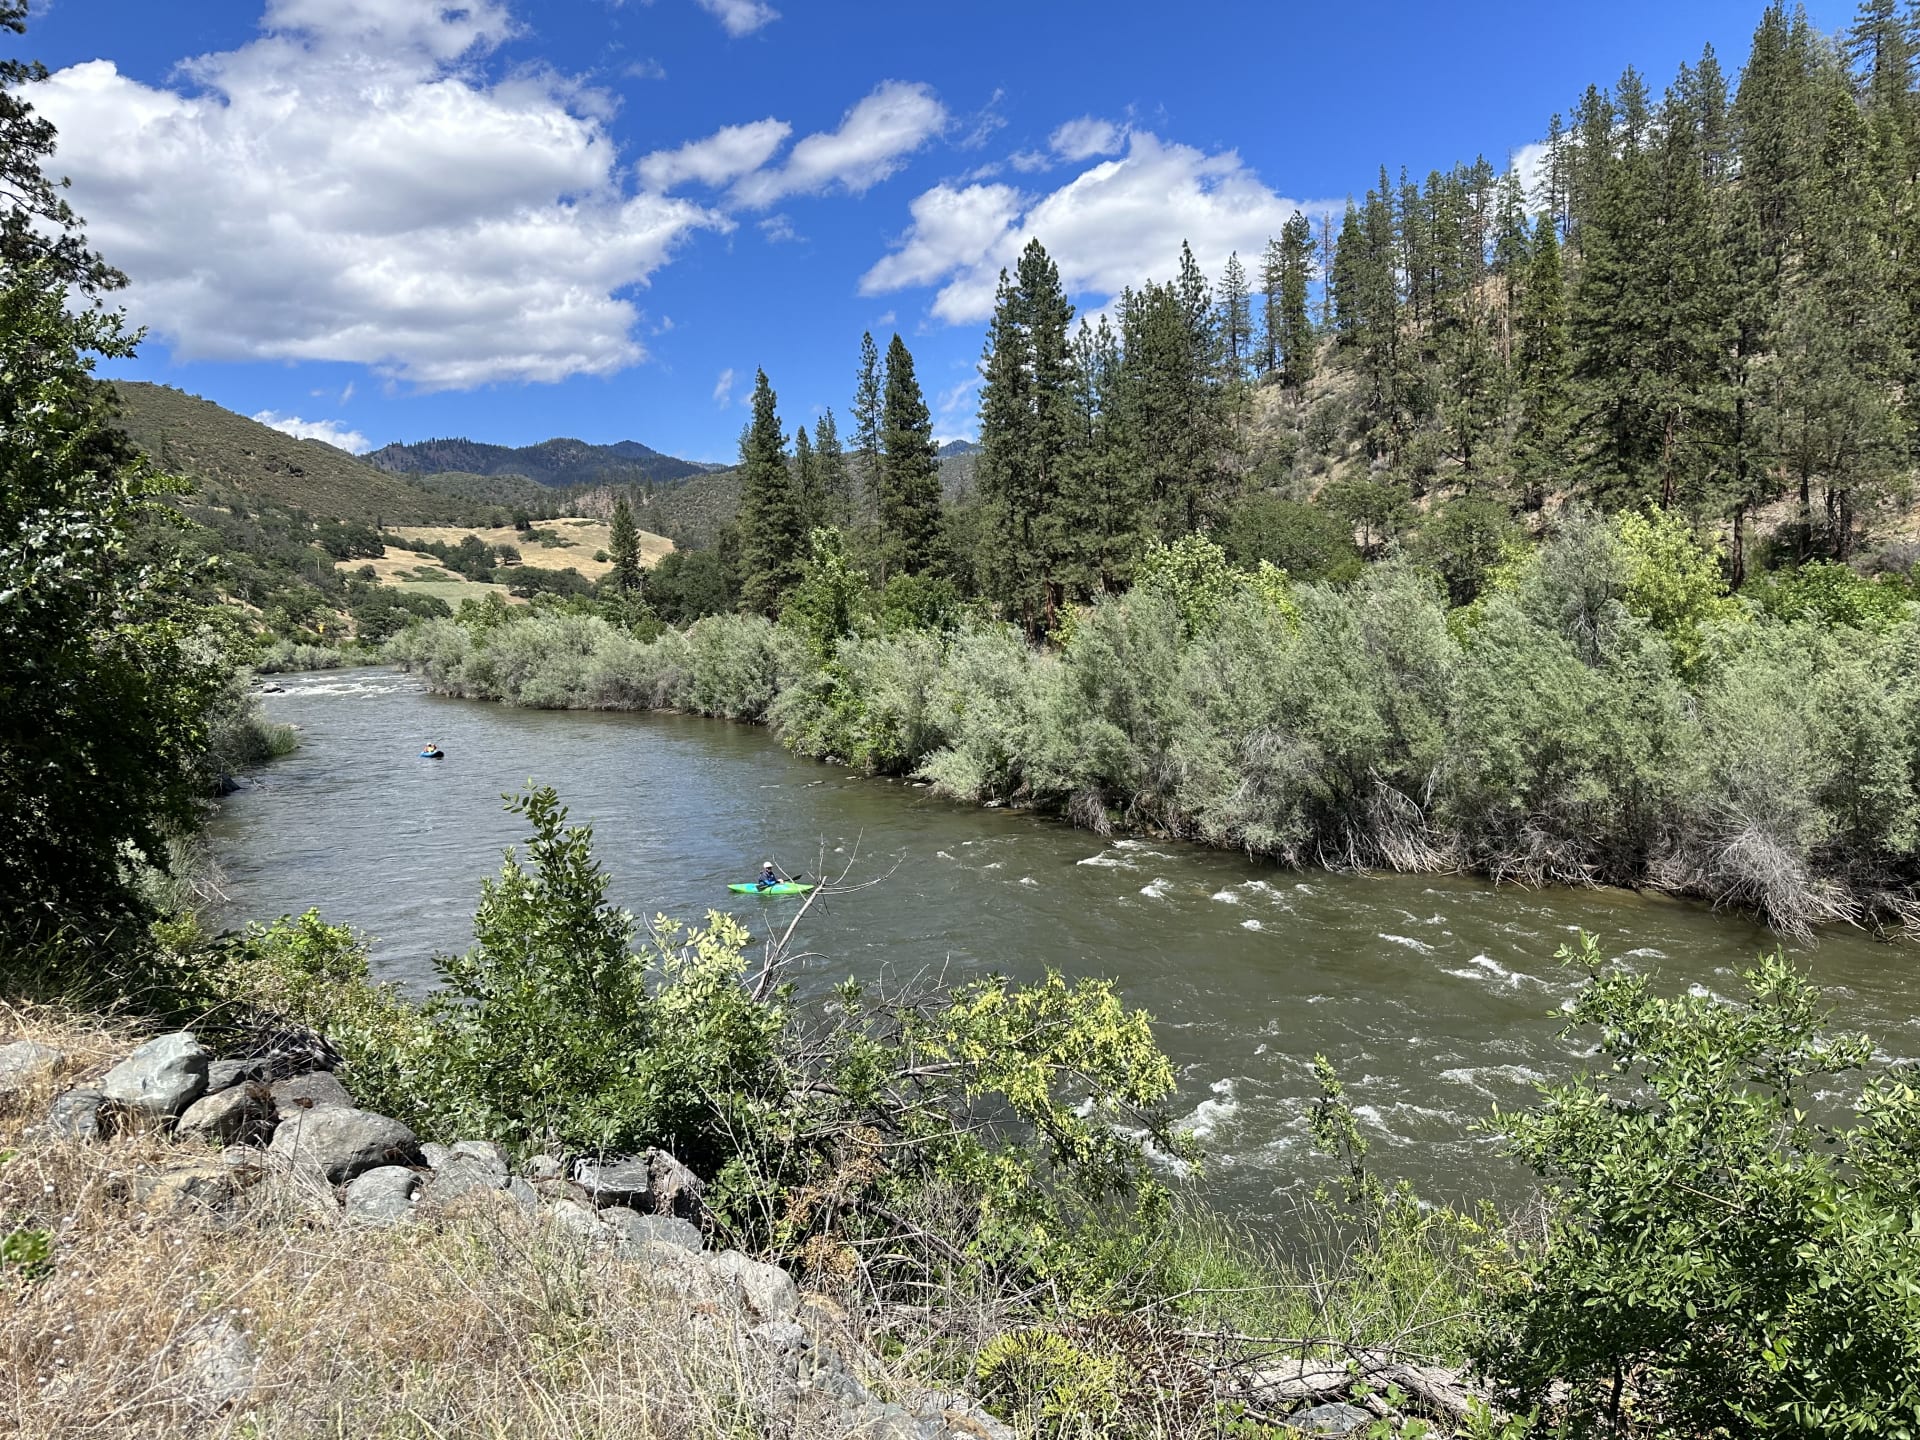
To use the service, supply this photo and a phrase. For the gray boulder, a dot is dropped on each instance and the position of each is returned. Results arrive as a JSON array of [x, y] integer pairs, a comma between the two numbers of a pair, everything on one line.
[[632, 1229], [654, 1182], [524, 1195], [161, 1078], [183, 1188], [768, 1291], [544, 1167], [570, 1217], [727, 1283], [435, 1154], [340, 1142], [239, 1114], [1336, 1419], [79, 1115], [616, 1182], [245, 1163], [26, 1064], [218, 1364], [308, 1092], [493, 1157], [464, 1174], [382, 1195], [225, 1074]]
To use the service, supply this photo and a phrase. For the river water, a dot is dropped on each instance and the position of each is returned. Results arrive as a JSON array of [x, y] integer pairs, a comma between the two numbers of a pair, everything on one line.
[[1435, 997]]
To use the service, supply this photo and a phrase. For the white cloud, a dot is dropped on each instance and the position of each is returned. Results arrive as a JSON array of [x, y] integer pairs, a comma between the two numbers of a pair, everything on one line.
[[1086, 137], [873, 141], [1529, 163], [723, 388], [648, 69], [1029, 162], [779, 228], [952, 228], [740, 17], [348, 188], [1114, 225], [723, 156], [333, 432]]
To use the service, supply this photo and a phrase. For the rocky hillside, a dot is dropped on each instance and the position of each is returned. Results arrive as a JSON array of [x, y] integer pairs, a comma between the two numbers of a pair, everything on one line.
[[561, 463]]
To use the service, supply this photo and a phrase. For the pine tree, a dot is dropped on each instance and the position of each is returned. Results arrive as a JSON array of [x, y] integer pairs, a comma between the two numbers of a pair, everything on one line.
[[1236, 318], [1026, 405], [866, 425], [1296, 344], [1272, 288], [623, 549], [806, 482], [1542, 369], [1840, 348], [771, 538], [836, 481], [909, 472], [1099, 501]]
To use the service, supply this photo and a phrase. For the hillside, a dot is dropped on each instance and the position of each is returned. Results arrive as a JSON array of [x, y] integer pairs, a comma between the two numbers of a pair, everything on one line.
[[228, 455], [560, 462]]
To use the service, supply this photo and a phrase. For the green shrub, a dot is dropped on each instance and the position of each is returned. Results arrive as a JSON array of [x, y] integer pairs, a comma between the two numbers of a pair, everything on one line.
[[1724, 1254]]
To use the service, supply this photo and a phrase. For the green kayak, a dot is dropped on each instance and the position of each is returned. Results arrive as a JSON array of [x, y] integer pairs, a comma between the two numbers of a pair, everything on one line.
[[785, 887]]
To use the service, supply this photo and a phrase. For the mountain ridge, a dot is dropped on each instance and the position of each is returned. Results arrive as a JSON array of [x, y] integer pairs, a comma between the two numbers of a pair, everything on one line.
[[560, 463]]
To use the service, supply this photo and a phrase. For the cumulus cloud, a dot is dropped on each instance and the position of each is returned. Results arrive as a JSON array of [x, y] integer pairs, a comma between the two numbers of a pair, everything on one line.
[[952, 228], [741, 17], [1115, 224], [333, 432], [873, 141], [1086, 137], [346, 187], [721, 157]]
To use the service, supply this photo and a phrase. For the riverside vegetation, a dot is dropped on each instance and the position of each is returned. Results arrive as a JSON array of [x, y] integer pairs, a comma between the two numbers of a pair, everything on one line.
[[984, 1179]]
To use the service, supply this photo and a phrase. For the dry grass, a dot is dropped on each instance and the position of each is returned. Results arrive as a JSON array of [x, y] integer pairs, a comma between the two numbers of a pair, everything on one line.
[[483, 1323], [582, 540], [424, 575]]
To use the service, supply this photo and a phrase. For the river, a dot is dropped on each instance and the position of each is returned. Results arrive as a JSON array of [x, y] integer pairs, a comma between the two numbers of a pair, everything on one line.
[[1434, 996]]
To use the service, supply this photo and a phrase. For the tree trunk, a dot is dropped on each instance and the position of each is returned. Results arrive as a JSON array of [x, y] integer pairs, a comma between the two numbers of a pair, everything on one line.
[[1739, 567]]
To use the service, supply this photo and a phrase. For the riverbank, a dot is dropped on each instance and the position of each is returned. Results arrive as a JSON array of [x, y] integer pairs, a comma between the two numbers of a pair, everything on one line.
[[1552, 733]]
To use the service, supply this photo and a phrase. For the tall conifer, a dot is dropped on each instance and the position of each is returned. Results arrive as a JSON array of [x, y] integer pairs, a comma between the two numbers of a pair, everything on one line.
[[770, 530], [909, 472]]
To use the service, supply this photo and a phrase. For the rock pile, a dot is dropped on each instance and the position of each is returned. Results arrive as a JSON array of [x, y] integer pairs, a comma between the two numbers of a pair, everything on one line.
[[302, 1137]]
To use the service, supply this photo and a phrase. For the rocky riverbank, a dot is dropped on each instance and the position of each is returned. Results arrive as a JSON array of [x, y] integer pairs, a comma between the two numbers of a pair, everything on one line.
[[208, 1246], [235, 1247]]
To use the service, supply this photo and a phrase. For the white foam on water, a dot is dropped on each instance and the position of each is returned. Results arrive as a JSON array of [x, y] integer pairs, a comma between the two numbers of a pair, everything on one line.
[[941, 855], [1139, 847], [1106, 862], [1303, 887], [1028, 880], [1472, 1076], [1489, 970], [1251, 925], [994, 865], [1409, 942], [1156, 889], [1645, 952], [1209, 1114], [1225, 897]]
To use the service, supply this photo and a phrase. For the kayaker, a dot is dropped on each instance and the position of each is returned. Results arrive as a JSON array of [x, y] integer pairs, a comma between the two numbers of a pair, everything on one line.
[[768, 879]]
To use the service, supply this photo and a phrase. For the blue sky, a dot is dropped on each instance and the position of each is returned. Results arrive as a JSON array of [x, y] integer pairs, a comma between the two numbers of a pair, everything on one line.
[[396, 219]]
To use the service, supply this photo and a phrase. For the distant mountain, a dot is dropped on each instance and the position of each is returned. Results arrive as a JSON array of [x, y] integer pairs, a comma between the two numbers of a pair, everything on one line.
[[561, 463], [957, 447], [231, 458]]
